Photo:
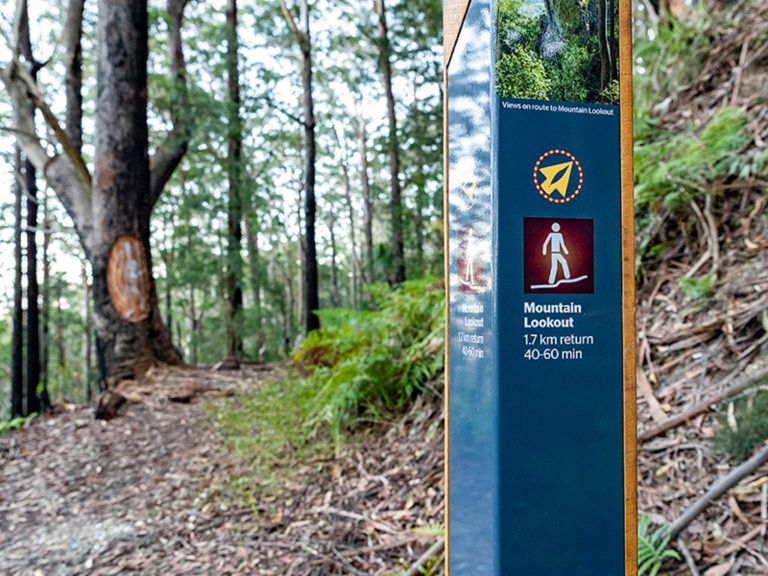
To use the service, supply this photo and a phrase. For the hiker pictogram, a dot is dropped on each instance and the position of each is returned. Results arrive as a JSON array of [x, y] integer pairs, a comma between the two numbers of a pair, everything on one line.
[[558, 255]]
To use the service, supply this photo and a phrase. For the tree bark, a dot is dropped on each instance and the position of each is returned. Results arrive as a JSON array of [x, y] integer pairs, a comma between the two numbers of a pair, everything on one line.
[[87, 335], [30, 185], [17, 343], [605, 56], [311, 284], [33, 293], [234, 278], [396, 210], [254, 261], [73, 81], [61, 345], [357, 270], [114, 209], [137, 338], [335, 292], [46, 309], [420, 182], [367, 199]]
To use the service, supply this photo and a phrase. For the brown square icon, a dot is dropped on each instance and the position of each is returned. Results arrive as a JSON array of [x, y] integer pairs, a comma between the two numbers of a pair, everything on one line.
[[559, 256]]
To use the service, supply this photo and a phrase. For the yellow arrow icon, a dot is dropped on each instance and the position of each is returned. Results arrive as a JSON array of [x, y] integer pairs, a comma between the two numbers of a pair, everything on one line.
[[558, 177]]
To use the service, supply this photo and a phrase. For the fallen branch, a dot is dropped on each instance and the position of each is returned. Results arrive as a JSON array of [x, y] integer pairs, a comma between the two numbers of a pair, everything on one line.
[[718, 489], [436, 548], [673, 422]]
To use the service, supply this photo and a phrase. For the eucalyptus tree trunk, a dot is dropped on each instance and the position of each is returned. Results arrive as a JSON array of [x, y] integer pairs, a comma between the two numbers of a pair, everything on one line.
[[357, 271], [73, 81], [367, 199], [335, 292], [127, 314], [87, 331], [17, 342], [234, 277], [45, 336], [111, 210], [254, 263], [30, 185], [396, 208], [420, 183], [311, 285]]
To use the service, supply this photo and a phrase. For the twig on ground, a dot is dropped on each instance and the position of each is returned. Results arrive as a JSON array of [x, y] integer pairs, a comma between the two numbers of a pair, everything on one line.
[[434, 550], [706, 404], [718, 489], [688, 558]]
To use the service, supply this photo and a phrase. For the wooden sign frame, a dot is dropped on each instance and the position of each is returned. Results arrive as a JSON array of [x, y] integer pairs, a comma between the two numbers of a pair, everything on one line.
[[455, 12]]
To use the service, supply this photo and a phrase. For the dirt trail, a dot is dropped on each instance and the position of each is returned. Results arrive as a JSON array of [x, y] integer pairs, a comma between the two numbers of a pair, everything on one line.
[[138, 494], [148, 493]]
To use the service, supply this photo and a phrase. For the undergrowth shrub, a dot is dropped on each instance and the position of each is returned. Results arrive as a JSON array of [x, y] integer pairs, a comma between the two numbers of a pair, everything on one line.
[[750, 430], [365, 364], [678, 168]]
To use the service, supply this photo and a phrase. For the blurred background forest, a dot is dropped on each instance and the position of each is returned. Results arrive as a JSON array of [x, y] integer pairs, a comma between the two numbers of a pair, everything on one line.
[[296, 181], [238, 215]]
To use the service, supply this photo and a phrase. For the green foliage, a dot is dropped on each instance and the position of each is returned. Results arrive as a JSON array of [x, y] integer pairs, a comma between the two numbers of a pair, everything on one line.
[[698, 288], [653, 548], [676, 169], [567, 74], [667, 62], [751, 415], [365, 364], [572, 14], [266, 426], [360, 365], [543, 56], [16, 423], [521, 74]]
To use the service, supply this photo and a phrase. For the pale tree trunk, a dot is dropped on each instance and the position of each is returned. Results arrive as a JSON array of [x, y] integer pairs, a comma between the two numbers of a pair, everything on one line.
[[61, 345], [17, 342], [367, 199], [73, 81], [254, 261], [396, 208], [311, 285], [254, 255], [356, 267], [335, 293], [420, 182], [45, 331], [111, 213], [87, 331], [234, 277]]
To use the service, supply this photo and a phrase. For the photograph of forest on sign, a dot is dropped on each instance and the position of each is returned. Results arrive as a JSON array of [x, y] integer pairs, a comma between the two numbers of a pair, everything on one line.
[[565, 50]]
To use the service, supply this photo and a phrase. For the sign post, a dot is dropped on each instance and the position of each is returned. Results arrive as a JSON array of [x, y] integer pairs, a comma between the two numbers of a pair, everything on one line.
[[540, 265]]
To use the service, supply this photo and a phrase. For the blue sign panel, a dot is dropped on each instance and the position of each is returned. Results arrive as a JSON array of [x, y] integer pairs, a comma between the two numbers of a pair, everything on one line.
[[536, 395]]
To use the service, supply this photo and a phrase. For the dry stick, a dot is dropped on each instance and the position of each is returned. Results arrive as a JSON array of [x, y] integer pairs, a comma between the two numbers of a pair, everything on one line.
[[436, 548], [718, 489], [705, 405], [688, 558]]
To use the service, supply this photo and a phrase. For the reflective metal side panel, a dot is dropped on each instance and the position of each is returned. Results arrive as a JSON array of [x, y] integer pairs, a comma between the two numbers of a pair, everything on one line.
[[473, 466]]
